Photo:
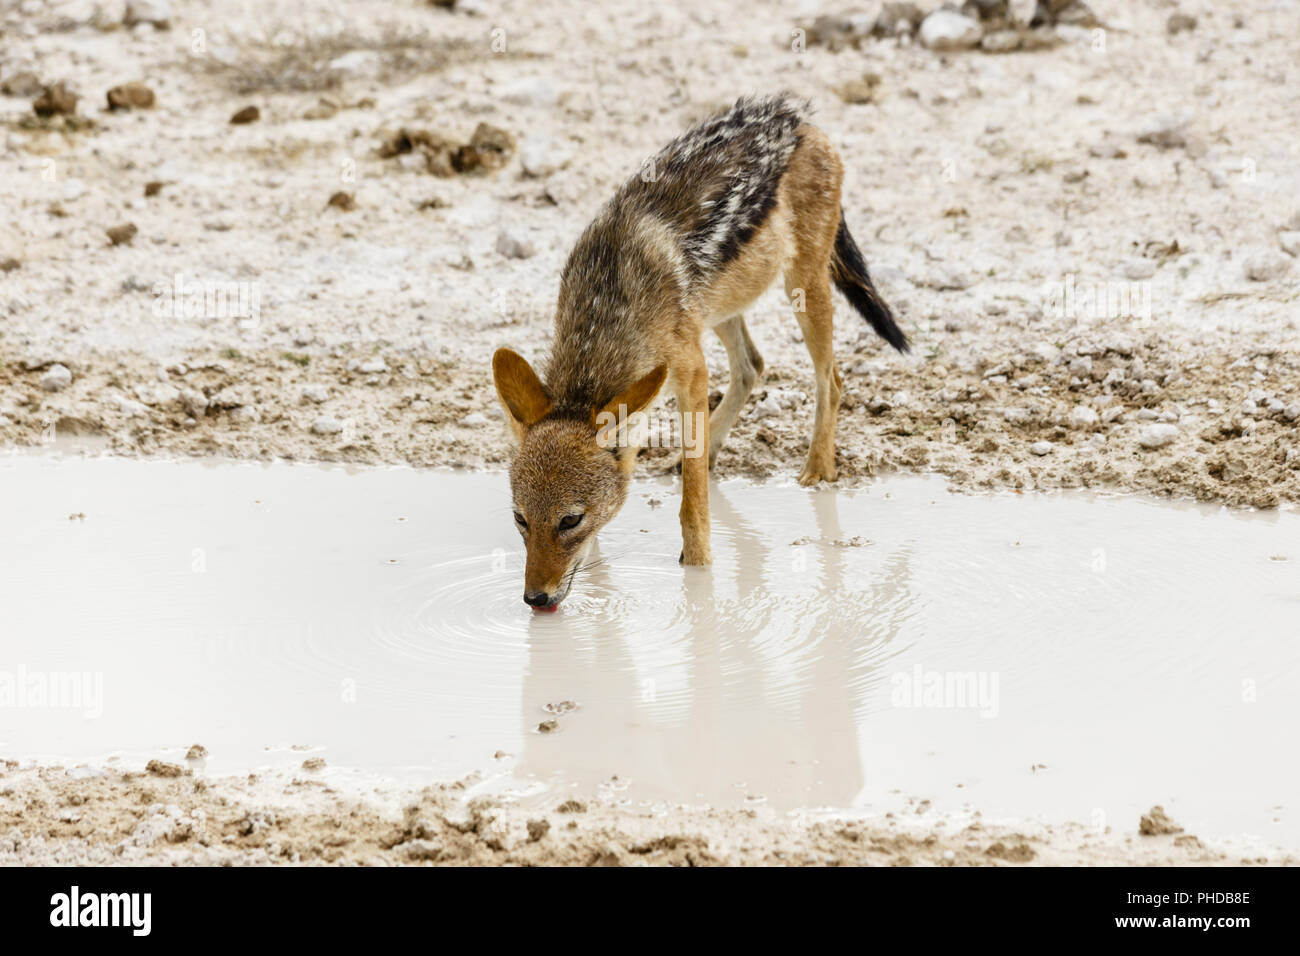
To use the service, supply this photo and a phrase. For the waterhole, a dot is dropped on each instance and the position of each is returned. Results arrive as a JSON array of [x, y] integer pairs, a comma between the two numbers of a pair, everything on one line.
[[893, 648]]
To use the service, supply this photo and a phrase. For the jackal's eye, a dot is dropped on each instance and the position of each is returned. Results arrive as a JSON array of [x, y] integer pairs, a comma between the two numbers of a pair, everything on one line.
[[569, 522], [519, 520]]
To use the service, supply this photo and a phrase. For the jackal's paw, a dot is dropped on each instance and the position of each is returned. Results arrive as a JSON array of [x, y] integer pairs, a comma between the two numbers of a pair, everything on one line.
[[696, 554], [813, 473]]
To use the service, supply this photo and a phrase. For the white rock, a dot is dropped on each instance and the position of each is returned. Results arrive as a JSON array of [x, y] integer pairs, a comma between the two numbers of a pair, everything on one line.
[[540, 157], [327, 425], [373, 366], [1157, 436], [1267, 266], [767, 408], [246, 415], [229, 397], [1138, 269], [156, 13], [1041, 448], [162, 394], [787, 398], [129, 407], [194, 402], [56, 378], [474, 419], [515, 247], [1044, 351], [1292, 412], [315, 393], [530, 91], [1022, 11], [949, 30], [1290, 242], [72, 190], [1081, 416], [1112, 413]]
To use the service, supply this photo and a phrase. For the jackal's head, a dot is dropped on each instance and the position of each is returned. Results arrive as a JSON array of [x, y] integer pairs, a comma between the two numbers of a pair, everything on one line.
[[570, 471]]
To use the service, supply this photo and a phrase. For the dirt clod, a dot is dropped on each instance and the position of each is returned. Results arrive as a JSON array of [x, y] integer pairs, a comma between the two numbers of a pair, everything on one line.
[[55, 100], [130, 96], [1155, 822], [121, 235], [161, 768], [1015, 853], [342, 200]]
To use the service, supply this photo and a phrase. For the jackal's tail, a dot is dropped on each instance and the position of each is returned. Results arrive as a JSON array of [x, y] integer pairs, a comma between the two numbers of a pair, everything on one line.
[[849, 273]]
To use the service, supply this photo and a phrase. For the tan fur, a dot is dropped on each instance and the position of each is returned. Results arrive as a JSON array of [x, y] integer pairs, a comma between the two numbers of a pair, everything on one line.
[[652, 329]]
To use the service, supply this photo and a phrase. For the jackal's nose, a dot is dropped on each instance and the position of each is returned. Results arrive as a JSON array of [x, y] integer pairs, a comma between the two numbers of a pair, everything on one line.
[[536, 598]]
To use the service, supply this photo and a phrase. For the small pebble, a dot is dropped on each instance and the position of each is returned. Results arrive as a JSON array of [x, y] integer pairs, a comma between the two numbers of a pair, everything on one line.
[[121, 235], [131, 96], [57, 378], [1157, 436], [1081, 416], [315, 393], [515, 247], [342, 200]]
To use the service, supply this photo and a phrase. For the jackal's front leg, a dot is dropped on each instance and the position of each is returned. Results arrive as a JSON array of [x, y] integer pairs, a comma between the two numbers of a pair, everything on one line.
[[691, 376]]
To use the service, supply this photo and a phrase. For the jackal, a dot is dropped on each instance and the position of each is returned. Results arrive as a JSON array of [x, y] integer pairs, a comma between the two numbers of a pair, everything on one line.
[[685, 245]]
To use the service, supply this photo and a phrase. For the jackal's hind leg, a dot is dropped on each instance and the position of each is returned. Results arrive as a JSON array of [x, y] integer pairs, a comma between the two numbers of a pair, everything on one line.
[[746, 366], [815, 321]]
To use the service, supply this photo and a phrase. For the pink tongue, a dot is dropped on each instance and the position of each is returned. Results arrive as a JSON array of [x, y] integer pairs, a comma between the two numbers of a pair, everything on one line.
[[546, 610]]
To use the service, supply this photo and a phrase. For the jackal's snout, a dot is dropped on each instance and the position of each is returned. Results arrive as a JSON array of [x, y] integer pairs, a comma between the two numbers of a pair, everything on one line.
[[549, 570], [538, 599]]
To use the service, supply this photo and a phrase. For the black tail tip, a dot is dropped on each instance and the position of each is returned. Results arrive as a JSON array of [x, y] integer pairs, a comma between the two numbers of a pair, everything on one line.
[[849, 271]]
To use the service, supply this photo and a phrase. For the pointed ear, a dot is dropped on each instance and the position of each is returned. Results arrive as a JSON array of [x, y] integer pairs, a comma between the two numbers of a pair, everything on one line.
[[520, 390], [637, 395]]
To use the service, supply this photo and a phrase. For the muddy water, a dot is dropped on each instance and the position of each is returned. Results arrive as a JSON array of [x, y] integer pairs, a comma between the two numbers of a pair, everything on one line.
[[1033, 657]]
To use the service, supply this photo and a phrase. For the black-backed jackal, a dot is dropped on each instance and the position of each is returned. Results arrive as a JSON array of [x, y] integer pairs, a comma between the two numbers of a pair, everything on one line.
[[685, 245]]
